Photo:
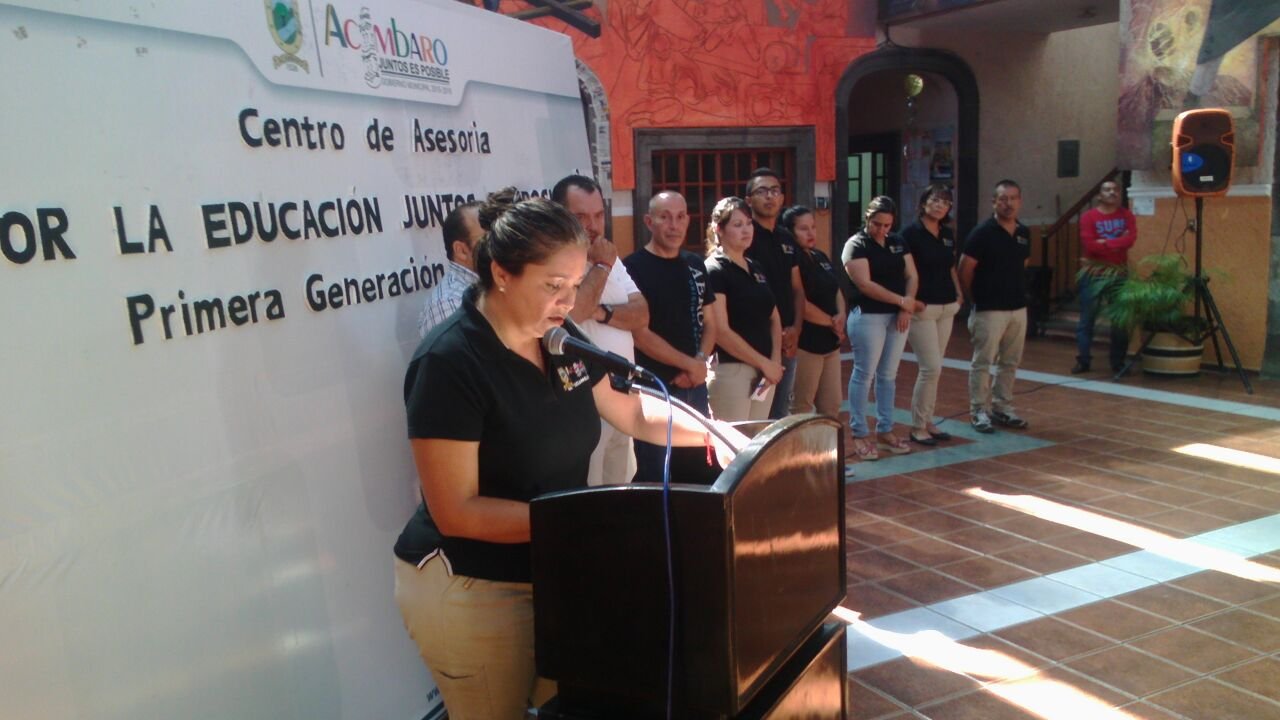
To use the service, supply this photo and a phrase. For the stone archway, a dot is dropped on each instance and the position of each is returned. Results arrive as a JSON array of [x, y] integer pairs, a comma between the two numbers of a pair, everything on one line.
[[957, 72], [595, 104]]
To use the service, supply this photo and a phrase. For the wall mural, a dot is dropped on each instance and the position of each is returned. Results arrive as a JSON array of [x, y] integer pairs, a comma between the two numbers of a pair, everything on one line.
[[720, 63], [1185, 54]]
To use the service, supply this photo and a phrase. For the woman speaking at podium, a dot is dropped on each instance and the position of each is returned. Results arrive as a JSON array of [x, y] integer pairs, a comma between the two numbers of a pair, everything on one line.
[[494, 421]]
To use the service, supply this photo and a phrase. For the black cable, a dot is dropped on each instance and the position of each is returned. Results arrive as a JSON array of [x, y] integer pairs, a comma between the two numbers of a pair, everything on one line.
[[1179, 245]]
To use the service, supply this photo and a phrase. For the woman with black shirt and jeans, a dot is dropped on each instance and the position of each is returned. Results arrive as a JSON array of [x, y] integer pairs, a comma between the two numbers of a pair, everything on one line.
[[818, 354], [933, 247], [494, 421], [880, 266]]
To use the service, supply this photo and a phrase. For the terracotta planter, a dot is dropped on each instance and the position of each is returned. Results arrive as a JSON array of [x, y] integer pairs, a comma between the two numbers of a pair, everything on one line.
[[1173, 355]]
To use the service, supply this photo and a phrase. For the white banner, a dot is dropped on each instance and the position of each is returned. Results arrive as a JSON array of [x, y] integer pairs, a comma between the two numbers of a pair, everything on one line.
[[218, 224]]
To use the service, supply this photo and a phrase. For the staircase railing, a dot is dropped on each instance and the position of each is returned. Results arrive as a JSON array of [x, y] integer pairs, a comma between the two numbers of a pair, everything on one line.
[[1060, 246]]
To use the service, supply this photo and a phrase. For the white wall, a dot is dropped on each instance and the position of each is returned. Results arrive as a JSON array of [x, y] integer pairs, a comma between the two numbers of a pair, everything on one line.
[[1034, 91]]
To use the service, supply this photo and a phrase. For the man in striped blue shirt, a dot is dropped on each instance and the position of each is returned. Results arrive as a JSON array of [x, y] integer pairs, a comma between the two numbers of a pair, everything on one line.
[[461, 231]]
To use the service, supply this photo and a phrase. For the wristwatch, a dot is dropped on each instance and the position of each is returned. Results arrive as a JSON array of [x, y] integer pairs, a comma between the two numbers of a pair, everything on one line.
[[608, 313]]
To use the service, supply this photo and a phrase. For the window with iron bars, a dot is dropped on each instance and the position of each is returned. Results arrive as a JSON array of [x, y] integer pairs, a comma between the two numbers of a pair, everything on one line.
[[703, 177]]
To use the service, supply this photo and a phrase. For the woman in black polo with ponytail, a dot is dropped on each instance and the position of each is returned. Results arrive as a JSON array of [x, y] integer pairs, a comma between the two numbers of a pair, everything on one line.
[[818, 357]]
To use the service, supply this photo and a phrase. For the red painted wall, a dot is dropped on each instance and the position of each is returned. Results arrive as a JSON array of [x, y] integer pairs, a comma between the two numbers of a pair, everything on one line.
[[722, 63]]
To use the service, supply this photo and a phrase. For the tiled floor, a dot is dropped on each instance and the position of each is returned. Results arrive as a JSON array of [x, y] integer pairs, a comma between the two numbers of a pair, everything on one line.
[[1083, 568]]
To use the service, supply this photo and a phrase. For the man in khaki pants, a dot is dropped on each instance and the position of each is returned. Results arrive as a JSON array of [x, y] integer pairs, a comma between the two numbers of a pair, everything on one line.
[[993, 277]]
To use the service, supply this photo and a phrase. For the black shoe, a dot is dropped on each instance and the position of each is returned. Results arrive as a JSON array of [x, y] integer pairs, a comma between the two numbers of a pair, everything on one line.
[[1080, 367], [927, 440], [1008, 419]]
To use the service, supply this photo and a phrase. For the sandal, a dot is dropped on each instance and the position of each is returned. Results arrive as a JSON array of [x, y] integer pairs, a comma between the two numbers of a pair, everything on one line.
[[893, 444], [865, 451]]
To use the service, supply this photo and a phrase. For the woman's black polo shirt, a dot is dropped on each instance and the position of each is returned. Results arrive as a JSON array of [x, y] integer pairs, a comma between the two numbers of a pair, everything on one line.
[[536, 429], [888, 267], [935, 258], [821, 283], [750, 302]]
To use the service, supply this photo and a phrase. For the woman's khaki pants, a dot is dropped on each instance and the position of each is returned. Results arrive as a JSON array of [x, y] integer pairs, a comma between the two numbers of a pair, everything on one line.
[[817, 383], [930, 331], [730, 388], [476, 636]]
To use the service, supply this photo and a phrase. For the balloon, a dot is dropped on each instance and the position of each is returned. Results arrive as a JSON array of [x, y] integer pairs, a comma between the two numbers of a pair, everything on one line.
[[914, 85]]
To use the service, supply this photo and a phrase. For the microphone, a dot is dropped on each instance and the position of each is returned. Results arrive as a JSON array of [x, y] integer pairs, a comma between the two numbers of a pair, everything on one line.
[[558, 341]]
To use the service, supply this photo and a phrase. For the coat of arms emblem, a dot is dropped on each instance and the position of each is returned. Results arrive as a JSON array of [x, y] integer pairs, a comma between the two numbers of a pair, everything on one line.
[[286, 30]]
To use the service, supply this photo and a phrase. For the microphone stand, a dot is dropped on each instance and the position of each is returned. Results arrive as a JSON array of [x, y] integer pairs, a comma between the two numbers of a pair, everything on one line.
[[1213, 318], [558, 341], [703, 420]]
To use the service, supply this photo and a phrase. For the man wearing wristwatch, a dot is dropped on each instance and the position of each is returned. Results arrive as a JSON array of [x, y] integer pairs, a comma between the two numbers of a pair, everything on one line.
[[608, 307]]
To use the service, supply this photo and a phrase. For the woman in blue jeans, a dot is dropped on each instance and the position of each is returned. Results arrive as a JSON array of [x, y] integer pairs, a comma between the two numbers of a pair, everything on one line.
[[880, 266]]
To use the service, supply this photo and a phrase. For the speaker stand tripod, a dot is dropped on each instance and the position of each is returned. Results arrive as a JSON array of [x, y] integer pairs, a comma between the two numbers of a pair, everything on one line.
[[1213, 318]]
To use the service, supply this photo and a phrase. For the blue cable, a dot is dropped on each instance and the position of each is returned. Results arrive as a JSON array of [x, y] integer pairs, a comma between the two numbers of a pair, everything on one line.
[[666, 528]]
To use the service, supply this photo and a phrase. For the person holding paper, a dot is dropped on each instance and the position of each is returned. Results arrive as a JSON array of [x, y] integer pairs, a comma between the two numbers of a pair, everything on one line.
[[495, 420], [748, 329]]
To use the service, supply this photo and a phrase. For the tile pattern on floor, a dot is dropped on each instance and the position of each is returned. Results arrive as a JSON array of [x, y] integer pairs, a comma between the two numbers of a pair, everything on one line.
[[973, 609]]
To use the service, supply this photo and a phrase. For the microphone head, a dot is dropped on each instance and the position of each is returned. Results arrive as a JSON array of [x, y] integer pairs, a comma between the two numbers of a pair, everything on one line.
[[554, 339]]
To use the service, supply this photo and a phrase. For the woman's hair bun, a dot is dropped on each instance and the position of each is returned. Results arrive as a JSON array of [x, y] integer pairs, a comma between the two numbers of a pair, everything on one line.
[[496, 205], [519, 232]]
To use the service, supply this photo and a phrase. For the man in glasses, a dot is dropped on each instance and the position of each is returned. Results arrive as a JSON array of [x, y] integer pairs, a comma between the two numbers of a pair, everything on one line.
[[774, 249]]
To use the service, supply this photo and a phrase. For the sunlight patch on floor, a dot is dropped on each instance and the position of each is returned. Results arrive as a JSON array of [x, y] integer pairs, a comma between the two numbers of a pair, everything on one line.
[[1183, 551], [1228, 456], [1008, 678]]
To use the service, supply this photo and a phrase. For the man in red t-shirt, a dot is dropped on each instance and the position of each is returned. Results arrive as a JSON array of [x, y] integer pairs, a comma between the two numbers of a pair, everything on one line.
[[1106, 234]]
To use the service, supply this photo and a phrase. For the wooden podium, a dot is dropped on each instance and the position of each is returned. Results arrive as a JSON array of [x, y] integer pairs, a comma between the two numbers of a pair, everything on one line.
[[759, 563]]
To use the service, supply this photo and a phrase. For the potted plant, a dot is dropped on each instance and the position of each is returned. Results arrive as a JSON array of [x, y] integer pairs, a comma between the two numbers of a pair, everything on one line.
[[1158, 299]]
